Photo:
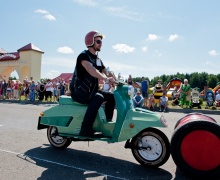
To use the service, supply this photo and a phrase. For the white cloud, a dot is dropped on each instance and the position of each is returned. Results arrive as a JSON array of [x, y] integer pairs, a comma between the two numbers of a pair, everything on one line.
[[86, 3], [60, 62], [41, 11], [213, 53], [144, 49], [124, 13], [173, 37], [123, 48], [47, 15], [52, 74], [117, 66], [157, 53], [65, 50], [152, 37]]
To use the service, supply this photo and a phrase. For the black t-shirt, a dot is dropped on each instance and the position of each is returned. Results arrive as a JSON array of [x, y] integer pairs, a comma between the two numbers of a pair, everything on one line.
[[81, 71]]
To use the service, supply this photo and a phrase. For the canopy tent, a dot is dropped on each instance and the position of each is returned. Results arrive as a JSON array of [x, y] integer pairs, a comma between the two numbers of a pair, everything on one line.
[[64, 76]]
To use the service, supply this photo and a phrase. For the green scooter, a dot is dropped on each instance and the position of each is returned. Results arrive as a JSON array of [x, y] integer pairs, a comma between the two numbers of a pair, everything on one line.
[[149, 146]]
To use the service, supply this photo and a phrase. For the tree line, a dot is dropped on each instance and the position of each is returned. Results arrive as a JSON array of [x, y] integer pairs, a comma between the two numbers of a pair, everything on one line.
[[195, 79]]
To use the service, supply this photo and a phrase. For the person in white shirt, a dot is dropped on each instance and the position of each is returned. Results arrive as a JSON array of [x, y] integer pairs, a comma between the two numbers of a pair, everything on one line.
[[163, 102], [106, 87], [49, 89]]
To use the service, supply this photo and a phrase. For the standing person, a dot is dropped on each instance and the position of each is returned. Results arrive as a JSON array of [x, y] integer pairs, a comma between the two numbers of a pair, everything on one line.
[[68, 88], [62, 87], [12, 89], [184, 91], [1, 89], [58, 88], [4, 89], [158, 91], [20, 90], [55, 92], [42, 90], [26, 90], [164, 88], [48, 93], [32, 89], [16, 90], [9, 89], [85, 88], [130, 80], [144, 90]]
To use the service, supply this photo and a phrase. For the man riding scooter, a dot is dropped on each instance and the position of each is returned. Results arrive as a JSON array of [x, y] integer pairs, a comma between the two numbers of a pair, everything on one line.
[[84, 85]]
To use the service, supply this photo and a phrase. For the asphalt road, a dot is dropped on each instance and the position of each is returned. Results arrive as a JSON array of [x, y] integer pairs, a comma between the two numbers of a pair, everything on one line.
[[25, 153]]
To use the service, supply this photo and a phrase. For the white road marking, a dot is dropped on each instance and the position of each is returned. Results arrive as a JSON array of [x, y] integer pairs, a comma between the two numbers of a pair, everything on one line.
[[60, 164], [1, 125]]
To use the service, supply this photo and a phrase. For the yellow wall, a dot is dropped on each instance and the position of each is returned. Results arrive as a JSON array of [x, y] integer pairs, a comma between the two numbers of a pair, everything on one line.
[[28, 65]]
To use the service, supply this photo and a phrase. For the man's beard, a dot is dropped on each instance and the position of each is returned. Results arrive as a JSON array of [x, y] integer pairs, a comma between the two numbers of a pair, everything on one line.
[[97, 48]]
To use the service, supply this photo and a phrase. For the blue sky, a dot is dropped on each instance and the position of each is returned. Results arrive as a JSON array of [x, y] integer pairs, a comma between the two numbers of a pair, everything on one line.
[[142, 37]]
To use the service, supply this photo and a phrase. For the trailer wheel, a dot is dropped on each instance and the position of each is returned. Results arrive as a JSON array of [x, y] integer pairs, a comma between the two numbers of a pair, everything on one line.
[[195, 149]]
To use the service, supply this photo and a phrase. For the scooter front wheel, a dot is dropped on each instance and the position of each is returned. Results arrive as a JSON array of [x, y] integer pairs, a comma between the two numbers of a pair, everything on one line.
[[151, 148], [55, 140]]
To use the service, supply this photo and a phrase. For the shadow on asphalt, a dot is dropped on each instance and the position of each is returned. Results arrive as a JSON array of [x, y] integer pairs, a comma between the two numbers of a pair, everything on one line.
[[74, 164]]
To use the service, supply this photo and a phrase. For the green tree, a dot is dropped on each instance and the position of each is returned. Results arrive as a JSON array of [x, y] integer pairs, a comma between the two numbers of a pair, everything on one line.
[[194, 80], [203, 77], [212, 81], [218, 77]]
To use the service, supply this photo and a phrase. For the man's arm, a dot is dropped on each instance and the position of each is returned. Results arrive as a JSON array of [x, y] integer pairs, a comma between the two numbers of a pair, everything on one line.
[[93, 71], [109, 73]]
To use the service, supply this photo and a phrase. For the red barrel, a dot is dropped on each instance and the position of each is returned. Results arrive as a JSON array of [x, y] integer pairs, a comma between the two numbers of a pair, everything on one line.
[[195, 146]]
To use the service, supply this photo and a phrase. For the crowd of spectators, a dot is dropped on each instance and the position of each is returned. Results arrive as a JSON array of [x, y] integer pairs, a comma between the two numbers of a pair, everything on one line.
[[50, 91], [31, 90]]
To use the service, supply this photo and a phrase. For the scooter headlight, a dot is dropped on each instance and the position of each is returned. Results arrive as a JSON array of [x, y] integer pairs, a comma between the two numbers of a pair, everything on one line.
[[163, 121]]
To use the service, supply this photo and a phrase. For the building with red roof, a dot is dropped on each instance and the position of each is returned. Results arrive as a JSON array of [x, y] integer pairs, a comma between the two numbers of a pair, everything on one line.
[[26, 61], [65, 76]]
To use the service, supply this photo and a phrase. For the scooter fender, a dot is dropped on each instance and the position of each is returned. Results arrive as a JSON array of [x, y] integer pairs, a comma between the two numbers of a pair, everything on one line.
[[66, 117], [139, 119]]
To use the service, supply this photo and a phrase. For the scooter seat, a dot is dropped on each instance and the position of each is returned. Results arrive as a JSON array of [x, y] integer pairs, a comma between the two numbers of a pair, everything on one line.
[[67, 100]]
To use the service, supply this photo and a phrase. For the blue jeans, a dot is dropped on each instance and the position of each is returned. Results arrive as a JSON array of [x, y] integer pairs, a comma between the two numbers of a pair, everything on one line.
[[138, 105]]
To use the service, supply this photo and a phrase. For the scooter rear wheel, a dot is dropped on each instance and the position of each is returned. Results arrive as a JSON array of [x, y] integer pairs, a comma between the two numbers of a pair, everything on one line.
[[55, 140], [151, 148]]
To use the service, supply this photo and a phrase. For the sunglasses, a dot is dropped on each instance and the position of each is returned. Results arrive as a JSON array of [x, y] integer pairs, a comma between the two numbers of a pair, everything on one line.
[[98, 41]]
